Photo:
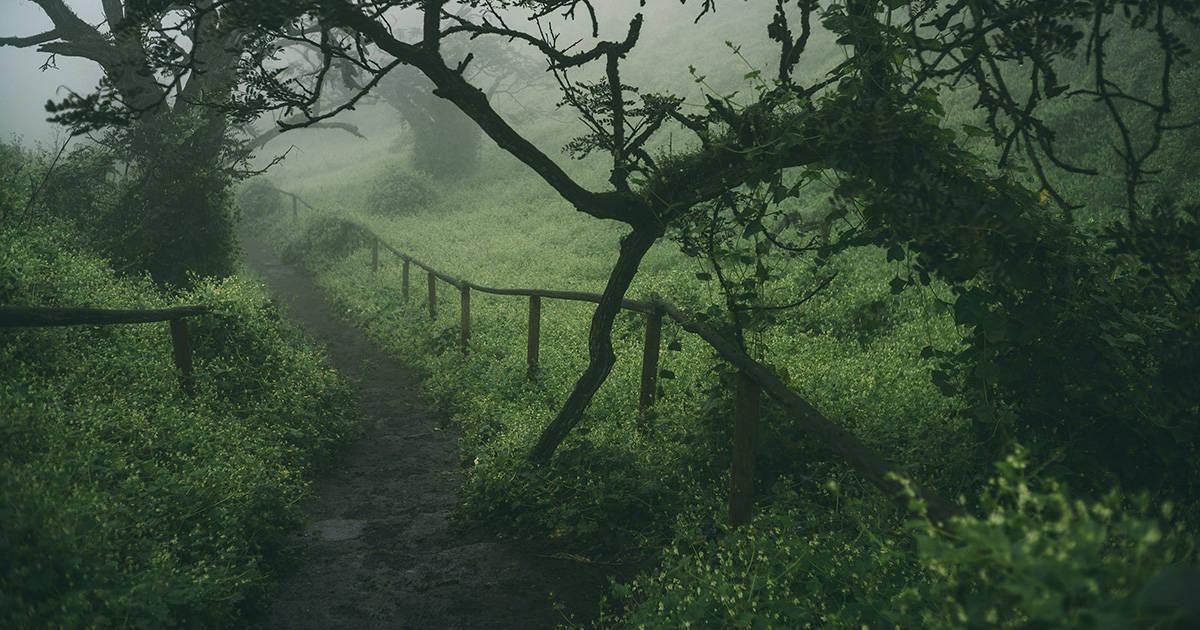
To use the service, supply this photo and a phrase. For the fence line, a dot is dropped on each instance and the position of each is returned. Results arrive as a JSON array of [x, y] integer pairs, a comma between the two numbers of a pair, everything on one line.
[[181, 342], [754, 380]]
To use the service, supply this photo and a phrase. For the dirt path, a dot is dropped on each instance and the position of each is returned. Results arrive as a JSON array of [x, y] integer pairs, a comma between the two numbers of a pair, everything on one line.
[[379, 550]]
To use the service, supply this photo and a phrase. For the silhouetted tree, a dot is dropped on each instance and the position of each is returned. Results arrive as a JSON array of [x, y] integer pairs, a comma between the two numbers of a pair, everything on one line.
[[445, 143], [872, 125], [171, 71]]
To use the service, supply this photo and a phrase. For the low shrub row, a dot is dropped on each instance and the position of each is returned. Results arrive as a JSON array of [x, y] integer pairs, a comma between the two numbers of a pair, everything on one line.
[[124, 501]]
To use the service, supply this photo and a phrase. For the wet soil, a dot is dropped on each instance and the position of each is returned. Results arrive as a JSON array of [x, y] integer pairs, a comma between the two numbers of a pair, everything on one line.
[[379, 550]]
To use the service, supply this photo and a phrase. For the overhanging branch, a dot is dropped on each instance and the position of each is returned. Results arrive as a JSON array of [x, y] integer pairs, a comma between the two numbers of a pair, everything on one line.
[[31, 40]]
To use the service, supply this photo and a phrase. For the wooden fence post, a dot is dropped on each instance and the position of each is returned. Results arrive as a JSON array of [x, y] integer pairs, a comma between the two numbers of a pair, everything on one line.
[[535, 335], [405, 281], [465, 312], [650, 354], [432, 296], [746, 409], [181, 345], [295, 209], [375, 255]]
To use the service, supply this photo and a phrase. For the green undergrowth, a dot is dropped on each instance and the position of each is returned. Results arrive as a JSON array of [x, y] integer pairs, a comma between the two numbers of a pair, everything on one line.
[[614, 490], [825, 549], [124, 501], [1035, 558]]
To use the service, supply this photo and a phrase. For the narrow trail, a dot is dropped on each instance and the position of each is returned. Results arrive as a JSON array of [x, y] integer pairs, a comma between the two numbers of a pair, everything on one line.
[[379, 551]]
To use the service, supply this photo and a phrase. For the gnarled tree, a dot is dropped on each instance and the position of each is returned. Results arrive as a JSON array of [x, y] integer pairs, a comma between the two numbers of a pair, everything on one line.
[[170, 73], [872, 123]]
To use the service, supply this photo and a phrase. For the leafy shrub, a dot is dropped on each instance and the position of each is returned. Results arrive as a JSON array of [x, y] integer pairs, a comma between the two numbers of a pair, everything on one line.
[[396, 192], [1039, 557], [14, 177], [144, 201], [1036, 557], [325, 239], [260, 198], [125, 501]]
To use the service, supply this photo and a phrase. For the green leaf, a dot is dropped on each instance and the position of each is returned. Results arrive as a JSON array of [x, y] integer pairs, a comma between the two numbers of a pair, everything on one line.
[[975, 132]]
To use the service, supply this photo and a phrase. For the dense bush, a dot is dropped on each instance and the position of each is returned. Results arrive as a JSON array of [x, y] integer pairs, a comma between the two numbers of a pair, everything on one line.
[[14, 181], [324, 240], [138, 200], [397, 192], [259, 198], [126, 502], [1035, 557]]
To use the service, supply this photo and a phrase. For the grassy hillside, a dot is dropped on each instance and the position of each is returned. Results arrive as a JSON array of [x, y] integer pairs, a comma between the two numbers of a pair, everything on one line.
[[125, 501]]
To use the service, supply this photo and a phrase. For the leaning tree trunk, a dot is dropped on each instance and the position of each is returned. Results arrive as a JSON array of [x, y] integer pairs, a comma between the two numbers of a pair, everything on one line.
[[600, 351]]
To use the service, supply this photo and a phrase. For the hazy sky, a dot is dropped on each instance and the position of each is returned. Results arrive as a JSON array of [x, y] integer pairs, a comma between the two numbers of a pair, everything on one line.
[[24, 89]]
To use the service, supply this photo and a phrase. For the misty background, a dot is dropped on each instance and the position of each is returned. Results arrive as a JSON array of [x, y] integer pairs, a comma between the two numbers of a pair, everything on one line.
[[26, 86]]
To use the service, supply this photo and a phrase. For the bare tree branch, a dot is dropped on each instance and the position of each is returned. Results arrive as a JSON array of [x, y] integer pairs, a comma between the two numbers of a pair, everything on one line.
[[262, 139], [31, 40]]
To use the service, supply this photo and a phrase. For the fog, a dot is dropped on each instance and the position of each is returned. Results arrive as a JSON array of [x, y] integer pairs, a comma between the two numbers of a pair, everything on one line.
[[26, 87]]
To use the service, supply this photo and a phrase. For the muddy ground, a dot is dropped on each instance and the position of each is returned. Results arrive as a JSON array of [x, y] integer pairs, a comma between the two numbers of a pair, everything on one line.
[[379, 550]]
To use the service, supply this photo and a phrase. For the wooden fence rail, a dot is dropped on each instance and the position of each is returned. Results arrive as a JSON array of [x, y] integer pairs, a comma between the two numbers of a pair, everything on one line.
[[181, 343], [754, 379]]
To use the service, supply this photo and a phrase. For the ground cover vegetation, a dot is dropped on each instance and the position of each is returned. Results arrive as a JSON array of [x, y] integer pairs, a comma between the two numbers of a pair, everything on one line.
[[940, 344], [126, 501], [965, 232]]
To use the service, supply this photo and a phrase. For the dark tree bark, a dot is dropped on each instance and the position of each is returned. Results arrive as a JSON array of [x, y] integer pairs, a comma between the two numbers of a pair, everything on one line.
[[600, 352]]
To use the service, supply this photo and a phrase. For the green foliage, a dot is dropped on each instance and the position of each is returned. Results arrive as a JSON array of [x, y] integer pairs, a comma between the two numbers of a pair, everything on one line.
[[175, 214], [1035, 557], [155, 198], [14, 181], [126, 502], [965, 312], [395, 192], [260, 198], [325, 240]]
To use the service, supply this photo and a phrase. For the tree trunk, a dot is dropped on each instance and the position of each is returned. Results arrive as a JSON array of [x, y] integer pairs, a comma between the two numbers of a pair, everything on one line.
[[173, 216], [600, 352]]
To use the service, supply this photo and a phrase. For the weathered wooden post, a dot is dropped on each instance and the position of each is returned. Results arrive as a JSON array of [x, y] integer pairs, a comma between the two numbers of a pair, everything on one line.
[[464, 339], [432, 296], [295, 209], [404, 282], [181, 345], [535, 335], [746, 409], [375, 255], [650, 353]]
